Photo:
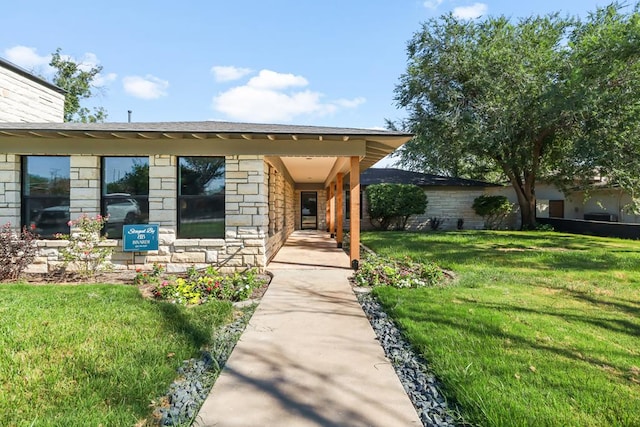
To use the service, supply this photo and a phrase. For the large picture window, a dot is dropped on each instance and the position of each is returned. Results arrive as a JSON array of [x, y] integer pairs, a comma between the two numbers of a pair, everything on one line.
[[201, 197], [125, 193], [45, 194]]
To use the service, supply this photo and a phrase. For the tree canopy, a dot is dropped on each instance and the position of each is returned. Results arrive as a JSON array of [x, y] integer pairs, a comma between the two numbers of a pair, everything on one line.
[[76, 80], [544, 97]]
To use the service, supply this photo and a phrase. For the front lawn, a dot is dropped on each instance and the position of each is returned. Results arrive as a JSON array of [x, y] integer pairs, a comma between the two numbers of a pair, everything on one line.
[[90, 355], [539, 329]]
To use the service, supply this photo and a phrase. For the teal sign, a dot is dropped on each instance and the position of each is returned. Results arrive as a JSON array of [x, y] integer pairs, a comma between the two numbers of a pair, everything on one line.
[[140, 237]]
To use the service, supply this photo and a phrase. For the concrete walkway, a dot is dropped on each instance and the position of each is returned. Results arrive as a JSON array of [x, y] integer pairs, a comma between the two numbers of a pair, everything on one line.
[[308, 356]]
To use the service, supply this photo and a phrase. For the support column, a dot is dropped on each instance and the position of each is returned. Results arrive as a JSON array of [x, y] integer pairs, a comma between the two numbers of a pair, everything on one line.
[[354, 224], [327, 213], [332, 212], [339, 208]]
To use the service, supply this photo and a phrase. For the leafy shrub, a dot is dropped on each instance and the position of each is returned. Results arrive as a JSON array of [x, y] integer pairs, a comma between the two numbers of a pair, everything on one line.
[[151, 277], [391, 205], [199, 287], [85, 252], [494, 210], [17, 251], [436, 222], [378, 271], [544, 227]]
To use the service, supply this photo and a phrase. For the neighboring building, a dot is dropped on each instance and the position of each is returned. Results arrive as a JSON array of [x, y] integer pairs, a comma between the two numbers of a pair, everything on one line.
[[25, 97], [227, 194], [448, 199], [601, 203]]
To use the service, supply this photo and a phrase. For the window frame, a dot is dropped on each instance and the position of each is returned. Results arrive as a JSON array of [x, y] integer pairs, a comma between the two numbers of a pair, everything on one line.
[[137, 198], [26, 200], [180, 227]]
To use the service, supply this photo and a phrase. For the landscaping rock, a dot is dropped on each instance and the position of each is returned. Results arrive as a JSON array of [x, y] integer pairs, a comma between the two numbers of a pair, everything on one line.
[[196, 377], [420, 385]]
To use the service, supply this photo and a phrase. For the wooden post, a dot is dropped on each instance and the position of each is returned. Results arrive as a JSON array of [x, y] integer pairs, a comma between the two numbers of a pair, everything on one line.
[[332, 211], [327, 218], [339, 208], [354, 224]]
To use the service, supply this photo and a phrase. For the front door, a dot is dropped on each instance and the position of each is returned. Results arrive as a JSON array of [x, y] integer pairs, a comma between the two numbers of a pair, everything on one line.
[[309, 210]]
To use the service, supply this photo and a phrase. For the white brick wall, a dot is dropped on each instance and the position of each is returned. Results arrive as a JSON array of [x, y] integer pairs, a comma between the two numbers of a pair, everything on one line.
[[23, 99], [10, 190]]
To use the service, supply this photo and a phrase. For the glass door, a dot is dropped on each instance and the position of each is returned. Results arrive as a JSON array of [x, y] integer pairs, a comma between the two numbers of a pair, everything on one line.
[[309, 210]]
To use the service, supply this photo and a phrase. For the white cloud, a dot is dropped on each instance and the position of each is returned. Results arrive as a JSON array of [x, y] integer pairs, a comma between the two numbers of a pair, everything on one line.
[[229, 73], [26, 57], [104, 79], [276, 97], [432, 4], [350, 103], [147, 87], [268, 79], [470, 12]]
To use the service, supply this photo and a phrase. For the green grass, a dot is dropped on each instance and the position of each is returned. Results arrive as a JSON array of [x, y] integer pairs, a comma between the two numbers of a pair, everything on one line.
[[90, 355], [538, 329]]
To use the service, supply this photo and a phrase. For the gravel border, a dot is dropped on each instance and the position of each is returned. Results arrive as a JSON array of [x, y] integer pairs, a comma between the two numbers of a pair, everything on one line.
[[187, 393], [420, 385]]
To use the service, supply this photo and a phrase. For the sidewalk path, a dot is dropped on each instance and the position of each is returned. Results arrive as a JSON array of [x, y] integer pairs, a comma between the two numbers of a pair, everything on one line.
[[308, 356]]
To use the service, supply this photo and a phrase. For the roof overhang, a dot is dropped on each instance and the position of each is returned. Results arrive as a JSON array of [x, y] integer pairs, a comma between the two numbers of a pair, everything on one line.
[[211, 139]]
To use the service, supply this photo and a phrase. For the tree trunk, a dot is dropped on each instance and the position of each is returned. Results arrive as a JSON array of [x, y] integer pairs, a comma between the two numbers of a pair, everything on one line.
[[527, 202]]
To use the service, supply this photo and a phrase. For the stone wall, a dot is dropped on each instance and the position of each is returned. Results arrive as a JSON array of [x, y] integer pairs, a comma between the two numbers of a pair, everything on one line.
[[446, 203], [246, 223], [24, 98], [281, 207], [9, 189]]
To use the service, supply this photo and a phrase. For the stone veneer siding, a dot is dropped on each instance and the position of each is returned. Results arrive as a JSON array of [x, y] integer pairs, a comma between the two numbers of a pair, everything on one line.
[[281, 208], [448, 203], [246, 222], [10, 189], [24, 99]]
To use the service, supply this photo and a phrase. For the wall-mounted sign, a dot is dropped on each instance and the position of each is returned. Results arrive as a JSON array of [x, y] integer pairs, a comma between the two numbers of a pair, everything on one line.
[[140, 237]]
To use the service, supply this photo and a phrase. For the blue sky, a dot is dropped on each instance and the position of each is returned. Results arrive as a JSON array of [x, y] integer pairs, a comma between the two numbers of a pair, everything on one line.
[[329, 63]]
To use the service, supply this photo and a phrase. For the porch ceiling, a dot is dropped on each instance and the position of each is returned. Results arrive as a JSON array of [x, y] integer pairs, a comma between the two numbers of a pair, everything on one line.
[[309, 170]]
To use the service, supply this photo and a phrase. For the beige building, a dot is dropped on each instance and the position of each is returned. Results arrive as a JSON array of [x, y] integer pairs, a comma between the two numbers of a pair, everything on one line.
[[227, 194], [28, 98]]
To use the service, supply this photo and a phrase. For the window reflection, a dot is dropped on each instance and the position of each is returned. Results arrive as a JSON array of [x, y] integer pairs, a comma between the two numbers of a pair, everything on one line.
[[125, 192], [201, 197], [45, 194]]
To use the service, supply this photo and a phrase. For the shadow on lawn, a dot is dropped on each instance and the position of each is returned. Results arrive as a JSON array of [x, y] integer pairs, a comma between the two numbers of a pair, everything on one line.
[[176, 320], [505, 249], [492, 329]]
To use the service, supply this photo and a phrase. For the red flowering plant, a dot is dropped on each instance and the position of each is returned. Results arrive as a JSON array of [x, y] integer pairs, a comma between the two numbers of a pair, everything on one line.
[[85, 254]]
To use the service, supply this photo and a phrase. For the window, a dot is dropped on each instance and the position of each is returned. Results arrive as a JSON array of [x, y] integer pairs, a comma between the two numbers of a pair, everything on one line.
[[201, 197], [125, 193], [45, 194]]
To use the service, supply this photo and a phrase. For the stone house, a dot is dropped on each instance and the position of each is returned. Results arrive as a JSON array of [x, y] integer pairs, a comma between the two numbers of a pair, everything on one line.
[[227, 194]]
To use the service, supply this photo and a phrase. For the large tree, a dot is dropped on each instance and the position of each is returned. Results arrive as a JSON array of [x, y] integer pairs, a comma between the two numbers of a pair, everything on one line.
[[77, 80], [518, 98]]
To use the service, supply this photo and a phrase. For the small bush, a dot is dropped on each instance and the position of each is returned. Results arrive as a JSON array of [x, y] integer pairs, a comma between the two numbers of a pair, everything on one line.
[[85, 252], [391, 205], [378, 271], [199, 287], [435, 222], [494, 210], [17, 251]]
